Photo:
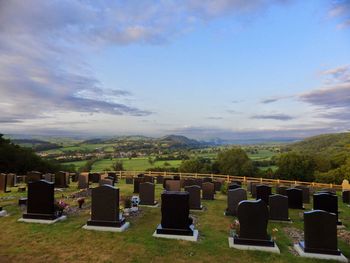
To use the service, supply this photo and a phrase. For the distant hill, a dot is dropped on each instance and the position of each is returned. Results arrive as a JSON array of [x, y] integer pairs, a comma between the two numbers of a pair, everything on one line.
[[327, 144], [36, 145], [179, 140]]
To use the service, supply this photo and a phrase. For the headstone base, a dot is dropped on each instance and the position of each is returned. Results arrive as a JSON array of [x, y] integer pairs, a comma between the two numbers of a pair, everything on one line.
[[273, 249], [201, 209], [124, 227], [3, 213], [156, 204], [114, 224], [300, 251], [173, 231], [39, 216], [340, 226], [253, 242], [193, 238], [42, 221], [281, 221]]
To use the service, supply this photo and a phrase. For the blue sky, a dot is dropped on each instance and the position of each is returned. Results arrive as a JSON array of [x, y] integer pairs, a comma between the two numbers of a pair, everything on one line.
[[227, 68]]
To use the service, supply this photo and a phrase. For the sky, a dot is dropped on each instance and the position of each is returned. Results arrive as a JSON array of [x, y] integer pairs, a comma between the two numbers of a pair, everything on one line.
[[230, 69]]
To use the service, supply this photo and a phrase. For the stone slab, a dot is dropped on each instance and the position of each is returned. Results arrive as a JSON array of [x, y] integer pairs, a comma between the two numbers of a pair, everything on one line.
[[108, 229], [193, 238], [41, 221], [274, 249], [152, 206], [299, 250], [280, 221], [3, 213]]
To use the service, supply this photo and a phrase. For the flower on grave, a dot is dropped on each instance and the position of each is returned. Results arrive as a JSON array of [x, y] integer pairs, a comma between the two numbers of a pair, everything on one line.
[[235, 226], [81, 201], [274, 232], [60, 206]]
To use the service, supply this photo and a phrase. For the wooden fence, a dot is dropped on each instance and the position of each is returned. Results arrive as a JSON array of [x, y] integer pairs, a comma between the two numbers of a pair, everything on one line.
[[229, 178]]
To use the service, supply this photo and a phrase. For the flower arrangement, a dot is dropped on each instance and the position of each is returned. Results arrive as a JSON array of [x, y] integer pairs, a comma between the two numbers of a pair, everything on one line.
[[274, 232], [234, 227], [60, 206]]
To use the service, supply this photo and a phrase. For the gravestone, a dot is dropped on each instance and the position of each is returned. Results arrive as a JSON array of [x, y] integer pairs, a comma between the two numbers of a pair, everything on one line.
[[281, 190], [217, 186], [173, 185], [140, 175], [198, 182], [306, 193], [94, 178], [253, 189], [189, 182], [113, 176], [137, 182], [105, 207], [11, 180], [83, 181], [175, 214], [295, 198], [207, 180], [253, 219], [320, 233], [208, 191], [234, 197], [237, 182], [148, 179], [263, 192], [129, 180], [326, 202], [106, 182], [176, 177], [3, 182], [159, 179], [278, 208], [195, 196], [233, 186], [41, 201], [33, 176], [345, 185], [328, 190], [49, 177], [346, 197], [61, 180], [147, 190], [165, 180]]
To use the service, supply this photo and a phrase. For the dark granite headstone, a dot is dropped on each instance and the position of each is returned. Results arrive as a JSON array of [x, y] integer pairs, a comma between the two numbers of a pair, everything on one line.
[[129, 180], [281, 190], [329, 190], [173, 185], [137, 182], [41, 201], [140, 175], [33, 176], [278, 208], [113, 176], [253, 189], [207, 180], [195, 196], [295, 198], [198, 182], [306, 193], [159, 179], [320, 233], [253, 219], [175, 214], [61, 180], [83, 181], [234, 197], [237, 182], [326, 202], [165, 180], [263, 192], [189, 182], [217, 186], [233, 186], [208, 191], [49, 177], [94, 178], [106, 182], [105, 207], [346, 196], [176, 177], [148, 179], [147, 190]]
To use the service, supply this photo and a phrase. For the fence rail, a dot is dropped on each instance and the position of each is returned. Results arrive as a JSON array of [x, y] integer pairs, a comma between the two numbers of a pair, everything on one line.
[[229, 178]]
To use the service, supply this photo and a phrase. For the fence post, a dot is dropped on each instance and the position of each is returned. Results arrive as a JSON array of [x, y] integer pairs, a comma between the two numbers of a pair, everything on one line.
[[120, 175]]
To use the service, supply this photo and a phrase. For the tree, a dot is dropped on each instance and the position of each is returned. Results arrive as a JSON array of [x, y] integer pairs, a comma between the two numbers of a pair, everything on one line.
[[118, 166], [296, 166], [196, 165], [235, 161]]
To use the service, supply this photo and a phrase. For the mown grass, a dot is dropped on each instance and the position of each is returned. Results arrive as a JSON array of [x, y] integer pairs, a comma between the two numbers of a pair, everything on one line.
[[68, 242]]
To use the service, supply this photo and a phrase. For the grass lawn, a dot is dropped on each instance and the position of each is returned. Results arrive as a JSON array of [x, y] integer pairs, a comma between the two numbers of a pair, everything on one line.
[[67, 242]]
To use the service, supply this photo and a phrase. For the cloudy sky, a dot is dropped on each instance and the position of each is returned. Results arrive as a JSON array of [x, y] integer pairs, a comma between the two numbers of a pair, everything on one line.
[[201, 68]]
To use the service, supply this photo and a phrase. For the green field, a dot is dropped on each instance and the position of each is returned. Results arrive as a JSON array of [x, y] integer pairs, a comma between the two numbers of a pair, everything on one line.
[[67, 242]]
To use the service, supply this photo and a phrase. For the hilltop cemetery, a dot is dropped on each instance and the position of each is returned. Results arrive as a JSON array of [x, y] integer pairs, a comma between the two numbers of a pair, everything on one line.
[[66, 217]]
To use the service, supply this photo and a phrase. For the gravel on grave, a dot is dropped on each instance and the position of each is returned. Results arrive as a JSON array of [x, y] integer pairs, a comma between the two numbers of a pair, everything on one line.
[[295, 235]]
